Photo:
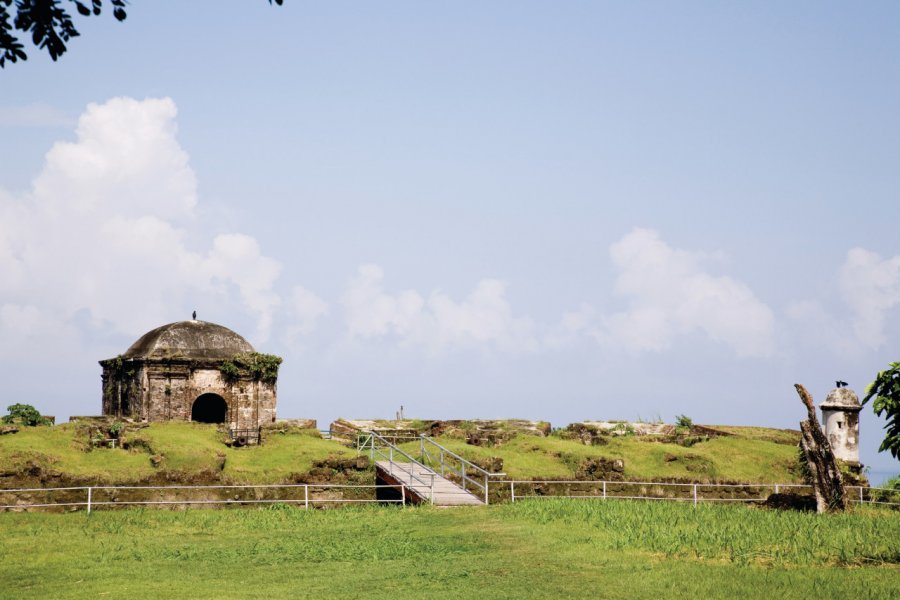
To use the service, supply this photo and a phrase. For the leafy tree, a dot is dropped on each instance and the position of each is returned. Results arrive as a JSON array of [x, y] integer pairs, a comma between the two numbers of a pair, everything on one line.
[[49, 24], [886, 391], [24, 414]]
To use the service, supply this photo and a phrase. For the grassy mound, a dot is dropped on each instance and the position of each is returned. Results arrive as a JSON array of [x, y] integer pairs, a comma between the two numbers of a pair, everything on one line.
[[192, 452], [196, 453], [747, 454]]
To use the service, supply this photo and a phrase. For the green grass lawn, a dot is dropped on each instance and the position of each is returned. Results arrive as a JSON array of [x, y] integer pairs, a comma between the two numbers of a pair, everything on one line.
[[533, 549]]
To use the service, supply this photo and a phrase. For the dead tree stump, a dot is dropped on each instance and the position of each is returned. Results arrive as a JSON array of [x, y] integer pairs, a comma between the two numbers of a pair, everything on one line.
[[823, 467]]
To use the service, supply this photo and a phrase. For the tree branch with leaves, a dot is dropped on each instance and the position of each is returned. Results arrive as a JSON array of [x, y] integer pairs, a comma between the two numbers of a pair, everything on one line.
[[886, 391], [49, 24]]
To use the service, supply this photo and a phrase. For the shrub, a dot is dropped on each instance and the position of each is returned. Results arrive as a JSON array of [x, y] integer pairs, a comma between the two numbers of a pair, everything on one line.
[[24, 414], [684, 421]]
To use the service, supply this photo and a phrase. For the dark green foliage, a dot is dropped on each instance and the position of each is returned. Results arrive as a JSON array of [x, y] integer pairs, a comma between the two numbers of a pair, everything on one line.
[[684, 421], [230, 371], [886, 391], [24, 414], [49, 24], [255, 365]]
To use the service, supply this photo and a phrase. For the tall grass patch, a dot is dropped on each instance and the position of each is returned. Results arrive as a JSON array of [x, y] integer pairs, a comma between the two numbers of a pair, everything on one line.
[[735, 533]]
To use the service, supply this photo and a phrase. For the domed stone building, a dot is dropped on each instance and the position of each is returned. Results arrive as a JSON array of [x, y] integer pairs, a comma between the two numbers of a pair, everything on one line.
[[192, 371]]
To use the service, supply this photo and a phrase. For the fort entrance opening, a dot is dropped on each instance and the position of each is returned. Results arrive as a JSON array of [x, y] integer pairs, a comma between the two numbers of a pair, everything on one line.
[[209, 408]]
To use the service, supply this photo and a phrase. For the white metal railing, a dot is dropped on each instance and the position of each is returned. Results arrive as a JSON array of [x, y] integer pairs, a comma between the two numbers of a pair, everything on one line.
[[380, 447], [686, 492], [456, 464], [92, 497], [310, 497]]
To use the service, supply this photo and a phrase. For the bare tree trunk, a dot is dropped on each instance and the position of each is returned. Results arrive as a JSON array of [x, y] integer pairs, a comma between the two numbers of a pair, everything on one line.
[[823, 468]]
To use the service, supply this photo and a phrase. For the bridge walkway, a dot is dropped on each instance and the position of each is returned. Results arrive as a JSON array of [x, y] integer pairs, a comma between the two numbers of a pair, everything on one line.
[[422, 484]]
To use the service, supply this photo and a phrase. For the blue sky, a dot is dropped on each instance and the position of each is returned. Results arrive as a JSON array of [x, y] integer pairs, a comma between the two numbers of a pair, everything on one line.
[[580, 211]]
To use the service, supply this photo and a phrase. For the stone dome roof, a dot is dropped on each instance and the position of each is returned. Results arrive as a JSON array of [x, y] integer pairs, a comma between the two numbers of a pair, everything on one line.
[[191, 340], [842, 398]]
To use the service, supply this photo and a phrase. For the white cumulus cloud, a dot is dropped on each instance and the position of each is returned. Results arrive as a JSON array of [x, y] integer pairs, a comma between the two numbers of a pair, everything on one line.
[[870, 285], [868, 293], [670, 293], [483, 318], [106, 231]]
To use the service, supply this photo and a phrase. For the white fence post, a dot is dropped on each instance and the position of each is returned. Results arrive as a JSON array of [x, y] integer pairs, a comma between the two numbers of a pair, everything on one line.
[[408, 497]]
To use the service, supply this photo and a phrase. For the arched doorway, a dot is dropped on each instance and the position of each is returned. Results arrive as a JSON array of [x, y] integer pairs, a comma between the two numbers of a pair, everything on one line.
[[209, 408]]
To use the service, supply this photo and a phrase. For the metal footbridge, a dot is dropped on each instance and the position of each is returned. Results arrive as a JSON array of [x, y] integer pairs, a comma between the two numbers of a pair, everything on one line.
[[434, 474]]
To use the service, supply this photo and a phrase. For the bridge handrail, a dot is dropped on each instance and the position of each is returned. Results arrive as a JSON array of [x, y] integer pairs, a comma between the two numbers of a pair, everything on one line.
[[461, 470], [466, 461], [373, 436]]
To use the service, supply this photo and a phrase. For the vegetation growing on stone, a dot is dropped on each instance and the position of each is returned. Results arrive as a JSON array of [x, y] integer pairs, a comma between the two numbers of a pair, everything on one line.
[[115, 429], [255, 365], [684, 421]]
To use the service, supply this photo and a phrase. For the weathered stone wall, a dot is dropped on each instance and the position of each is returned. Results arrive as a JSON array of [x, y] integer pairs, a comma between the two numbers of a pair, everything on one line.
[[167, 390], [122, 389], [251, 404], [842, 429]]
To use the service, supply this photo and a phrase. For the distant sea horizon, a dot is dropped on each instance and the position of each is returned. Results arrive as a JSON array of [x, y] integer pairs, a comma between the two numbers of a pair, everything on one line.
[[878, 477]]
